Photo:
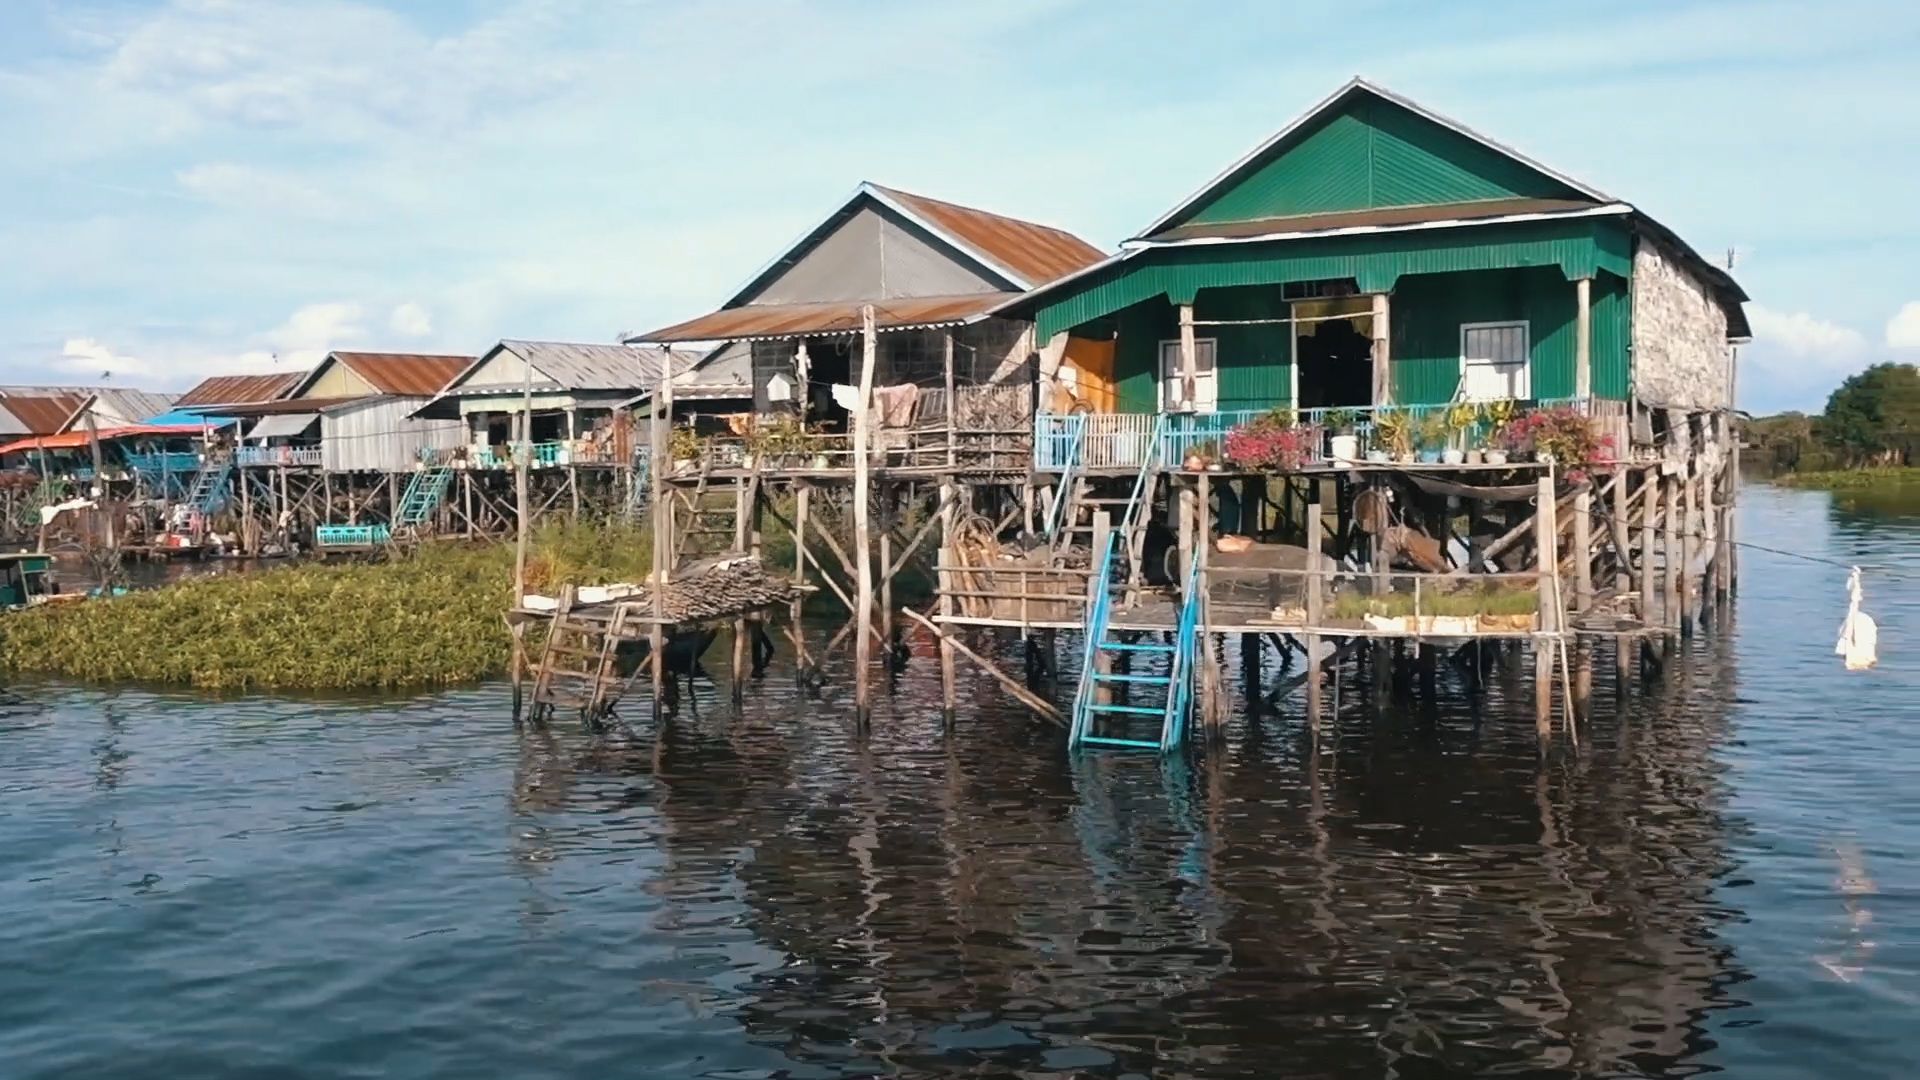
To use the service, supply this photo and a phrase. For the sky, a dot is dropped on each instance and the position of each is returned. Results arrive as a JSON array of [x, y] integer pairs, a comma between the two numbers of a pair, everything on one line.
[[193, 187]]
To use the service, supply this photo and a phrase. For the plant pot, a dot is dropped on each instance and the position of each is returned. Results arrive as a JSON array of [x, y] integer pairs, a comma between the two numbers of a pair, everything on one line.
[[1475, 457], [1378, 457], [1496, 457], [1429, 457], [1344, 447], [1405, 457], [1453, 457], [1450, 625]]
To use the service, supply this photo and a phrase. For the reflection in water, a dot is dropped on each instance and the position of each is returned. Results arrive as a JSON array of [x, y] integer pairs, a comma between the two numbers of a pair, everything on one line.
[[415, 888]]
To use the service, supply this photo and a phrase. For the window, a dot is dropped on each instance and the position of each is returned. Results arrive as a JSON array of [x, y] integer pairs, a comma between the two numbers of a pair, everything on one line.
[[1493, 361], [1206, 388]]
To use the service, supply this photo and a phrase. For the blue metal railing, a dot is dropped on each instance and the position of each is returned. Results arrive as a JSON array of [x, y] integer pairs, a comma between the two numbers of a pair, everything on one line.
[[1173, 730], [1100, 585], [328, 536], [1062, 493]]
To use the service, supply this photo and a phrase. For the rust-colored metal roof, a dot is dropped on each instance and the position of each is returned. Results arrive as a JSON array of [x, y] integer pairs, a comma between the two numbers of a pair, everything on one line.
[[43, 414], [240, 389], [1387, 217], [835, 317], [1037, 253], [404, 374]]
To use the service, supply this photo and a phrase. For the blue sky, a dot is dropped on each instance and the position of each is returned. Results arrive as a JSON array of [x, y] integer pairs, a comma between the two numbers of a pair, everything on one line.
[[199, 186]]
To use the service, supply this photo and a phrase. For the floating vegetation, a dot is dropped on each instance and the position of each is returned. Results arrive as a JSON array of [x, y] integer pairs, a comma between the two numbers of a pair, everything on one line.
[[431, 617]]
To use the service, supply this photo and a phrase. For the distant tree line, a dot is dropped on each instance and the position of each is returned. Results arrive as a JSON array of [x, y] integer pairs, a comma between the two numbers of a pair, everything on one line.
[[1872, 420]]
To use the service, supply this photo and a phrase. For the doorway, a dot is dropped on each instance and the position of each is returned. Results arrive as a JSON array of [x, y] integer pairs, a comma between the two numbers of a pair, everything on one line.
[[1333, 353]]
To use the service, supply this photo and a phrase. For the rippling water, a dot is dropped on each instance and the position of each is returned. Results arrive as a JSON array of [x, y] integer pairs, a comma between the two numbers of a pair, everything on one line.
[[1723, 879]]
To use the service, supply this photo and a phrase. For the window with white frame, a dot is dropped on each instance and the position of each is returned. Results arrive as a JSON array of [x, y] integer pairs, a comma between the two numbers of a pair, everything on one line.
[[1206, 391], [1493, 361]]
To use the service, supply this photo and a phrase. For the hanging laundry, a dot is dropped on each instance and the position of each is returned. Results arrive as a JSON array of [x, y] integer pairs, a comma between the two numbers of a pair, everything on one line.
[[1859, 637]]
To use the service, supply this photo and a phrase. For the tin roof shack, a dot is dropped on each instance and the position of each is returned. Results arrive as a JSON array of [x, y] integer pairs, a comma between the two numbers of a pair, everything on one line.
[[579, 395], [111, 407], [364, 403], [934, 272], [1373, 253]]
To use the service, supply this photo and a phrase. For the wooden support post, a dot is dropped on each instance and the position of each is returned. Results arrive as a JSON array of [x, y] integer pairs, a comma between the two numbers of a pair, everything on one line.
[[1583, 339], [466, 497], [887, 570], [948, 514], [1315, 589], [801, 495], [1583, 549], [1183, 511], [953, 410], [659, 416], [1546, 536], [1189, 359], [1732, 577], [744, 494], [1649, 515], [1212, 719], [1670, 528], [1622, 572], [1382, 351], [1689, 548], [863, 537], [249, 532]]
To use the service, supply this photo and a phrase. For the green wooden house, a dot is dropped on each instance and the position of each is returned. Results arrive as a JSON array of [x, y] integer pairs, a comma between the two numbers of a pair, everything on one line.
[[1375, 253]]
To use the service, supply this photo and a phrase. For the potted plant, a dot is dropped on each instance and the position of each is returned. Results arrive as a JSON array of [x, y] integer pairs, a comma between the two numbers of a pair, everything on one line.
[[1430, 433], [683, 447], [1393, 433], [1265, 444], [1498, 416], [1343, 445], [1200, 456], [1462, 418]]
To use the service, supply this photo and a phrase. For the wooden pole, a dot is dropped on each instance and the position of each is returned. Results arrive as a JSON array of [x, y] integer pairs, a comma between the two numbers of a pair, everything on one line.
[[1213, 722], [802, 493], [953, 409], [1546, 535], [743, 498], [1583, 339], [521, 427], [1622, 572], [1583, 549], [1689, 546], [1670, 528], [1315, 586], [1382, 351], [945, 584], [1189, 359], [886, 570], [660, 415], [863, 538], [1649, 514]]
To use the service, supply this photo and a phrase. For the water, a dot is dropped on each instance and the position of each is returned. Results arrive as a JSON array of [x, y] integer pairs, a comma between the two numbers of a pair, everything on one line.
[[1723, 880]]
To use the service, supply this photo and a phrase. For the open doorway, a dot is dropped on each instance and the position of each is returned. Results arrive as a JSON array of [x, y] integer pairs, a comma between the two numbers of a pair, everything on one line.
[[829, 361], [1333, 352]]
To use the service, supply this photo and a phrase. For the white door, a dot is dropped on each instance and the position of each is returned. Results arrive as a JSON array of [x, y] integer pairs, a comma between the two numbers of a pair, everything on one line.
[[1493, 361], [1206, 384]]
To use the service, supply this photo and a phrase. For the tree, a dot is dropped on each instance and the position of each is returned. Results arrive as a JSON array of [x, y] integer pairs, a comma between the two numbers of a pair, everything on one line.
[[1874, 417]]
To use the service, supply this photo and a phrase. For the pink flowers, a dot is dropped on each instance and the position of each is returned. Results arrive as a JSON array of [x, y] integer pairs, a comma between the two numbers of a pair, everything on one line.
[[1563, 433], [1267, 443]]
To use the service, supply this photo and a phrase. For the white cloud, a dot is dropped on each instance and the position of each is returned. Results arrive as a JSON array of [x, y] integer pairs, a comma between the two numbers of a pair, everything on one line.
[[411, 320], [1903, 330], [313, 331], [1801, 334], [96, 362], [246, 187]]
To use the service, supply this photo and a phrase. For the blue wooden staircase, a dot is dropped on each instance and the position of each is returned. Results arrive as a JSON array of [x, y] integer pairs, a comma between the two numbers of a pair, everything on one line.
[[209, 490], [425, 490], [1160, 699]]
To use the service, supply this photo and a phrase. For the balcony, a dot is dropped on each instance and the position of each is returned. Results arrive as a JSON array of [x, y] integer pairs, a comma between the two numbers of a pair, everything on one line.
[[293, 456]]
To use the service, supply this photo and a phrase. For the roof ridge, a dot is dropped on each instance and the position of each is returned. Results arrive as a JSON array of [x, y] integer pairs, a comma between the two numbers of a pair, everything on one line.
[[916, 197]]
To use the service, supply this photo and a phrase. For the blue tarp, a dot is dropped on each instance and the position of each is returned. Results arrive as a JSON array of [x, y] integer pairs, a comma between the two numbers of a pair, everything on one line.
[[187, 416]]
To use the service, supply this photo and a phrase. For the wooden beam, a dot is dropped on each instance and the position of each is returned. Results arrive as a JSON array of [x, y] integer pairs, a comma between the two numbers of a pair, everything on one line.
[[1583, 338], [1189, 359], [1011, 685]]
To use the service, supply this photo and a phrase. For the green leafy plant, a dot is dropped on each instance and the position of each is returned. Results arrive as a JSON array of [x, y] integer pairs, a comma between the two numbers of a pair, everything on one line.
[[1393, 431]]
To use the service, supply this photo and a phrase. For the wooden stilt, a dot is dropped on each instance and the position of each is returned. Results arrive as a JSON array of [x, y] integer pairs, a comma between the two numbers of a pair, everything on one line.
[[1670, 526], [1689, 550], [863, 537], [1546, 534], [948, 514], [660, 416], [1315, 588], [1582, 550]]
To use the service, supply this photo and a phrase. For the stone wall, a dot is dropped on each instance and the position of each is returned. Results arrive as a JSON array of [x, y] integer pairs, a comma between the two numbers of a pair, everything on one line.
[[1679, 334]]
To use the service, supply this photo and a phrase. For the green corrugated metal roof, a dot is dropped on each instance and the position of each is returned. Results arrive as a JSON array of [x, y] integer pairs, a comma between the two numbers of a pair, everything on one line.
[[1367, 153]]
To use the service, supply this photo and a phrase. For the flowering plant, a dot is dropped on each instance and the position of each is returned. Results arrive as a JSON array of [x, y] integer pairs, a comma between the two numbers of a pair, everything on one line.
[[1267, 442], [1562, 433]]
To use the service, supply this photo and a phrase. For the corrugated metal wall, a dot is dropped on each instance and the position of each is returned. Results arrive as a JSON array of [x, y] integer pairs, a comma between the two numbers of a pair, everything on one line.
[[1254, 360], [1374, 154], [377, 436], [1612, 335], [1429, 308], [1580, 247]]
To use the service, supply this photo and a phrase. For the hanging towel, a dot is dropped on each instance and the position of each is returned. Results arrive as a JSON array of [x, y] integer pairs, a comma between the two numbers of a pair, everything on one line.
[[1859, 637]]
